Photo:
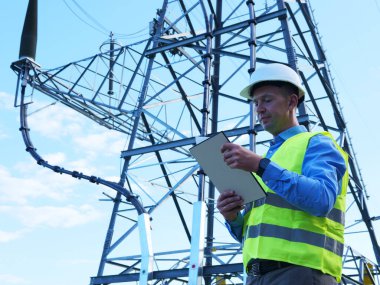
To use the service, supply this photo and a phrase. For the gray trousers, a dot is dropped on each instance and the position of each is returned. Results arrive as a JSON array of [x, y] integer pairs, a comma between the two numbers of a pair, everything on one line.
[[292, 275]]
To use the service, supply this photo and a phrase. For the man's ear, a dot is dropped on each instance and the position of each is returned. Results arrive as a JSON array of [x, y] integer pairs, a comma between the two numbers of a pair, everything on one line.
[[293, 101]]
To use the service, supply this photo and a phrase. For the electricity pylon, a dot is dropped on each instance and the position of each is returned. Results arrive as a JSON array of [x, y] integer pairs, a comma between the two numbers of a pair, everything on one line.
[[163, 93]]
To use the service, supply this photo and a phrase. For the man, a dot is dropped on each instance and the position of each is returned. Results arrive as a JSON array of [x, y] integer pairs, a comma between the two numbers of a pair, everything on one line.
[[295, 234]]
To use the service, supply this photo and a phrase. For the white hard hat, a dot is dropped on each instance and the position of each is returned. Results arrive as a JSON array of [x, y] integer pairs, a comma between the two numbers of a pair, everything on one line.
[[274, 72]]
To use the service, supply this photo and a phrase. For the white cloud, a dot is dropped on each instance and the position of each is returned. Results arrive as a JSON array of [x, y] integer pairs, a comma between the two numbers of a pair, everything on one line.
[[87, 164], [58, 122], [6, 101], [23, 190], [53, 217], [10, 236], [105, 142], [55, 121], [55, 158], [3, 135], [12, 279], [81, 262], [113, 178], [79, 135], [82, 165]]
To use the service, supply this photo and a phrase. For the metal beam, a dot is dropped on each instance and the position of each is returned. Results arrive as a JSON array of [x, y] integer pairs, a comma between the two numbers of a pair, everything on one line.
[[231, 269], [242, 25], [191, 141]]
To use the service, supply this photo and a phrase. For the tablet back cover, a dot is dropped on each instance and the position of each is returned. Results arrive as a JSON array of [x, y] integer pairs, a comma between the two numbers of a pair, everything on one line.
[[210, 158]]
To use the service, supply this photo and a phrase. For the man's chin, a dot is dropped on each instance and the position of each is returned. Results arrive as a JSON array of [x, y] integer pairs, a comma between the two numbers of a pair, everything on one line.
[[268, 127], [265, 125]]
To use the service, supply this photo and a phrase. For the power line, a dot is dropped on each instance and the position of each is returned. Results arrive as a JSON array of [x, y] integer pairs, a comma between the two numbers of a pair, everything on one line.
[[90, 17], [72, 11], [135, 34], [100, 27], [377, 5]]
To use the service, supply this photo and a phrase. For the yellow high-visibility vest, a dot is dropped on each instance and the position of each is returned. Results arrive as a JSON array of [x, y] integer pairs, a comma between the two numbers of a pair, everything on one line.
[[274, 229]]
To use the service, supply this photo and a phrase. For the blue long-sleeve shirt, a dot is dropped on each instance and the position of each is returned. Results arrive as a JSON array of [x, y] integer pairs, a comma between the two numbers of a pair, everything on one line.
[[315, 189]]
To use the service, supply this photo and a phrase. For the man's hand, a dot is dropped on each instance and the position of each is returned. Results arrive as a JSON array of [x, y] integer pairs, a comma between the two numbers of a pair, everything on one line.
[[236, 156], [229, 204]]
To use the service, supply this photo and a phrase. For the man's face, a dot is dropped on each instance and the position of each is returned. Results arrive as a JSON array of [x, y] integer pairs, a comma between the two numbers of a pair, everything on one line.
[[273, 109]]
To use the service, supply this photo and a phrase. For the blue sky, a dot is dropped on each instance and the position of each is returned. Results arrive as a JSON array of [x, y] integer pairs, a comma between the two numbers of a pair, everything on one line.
[[52, 228]]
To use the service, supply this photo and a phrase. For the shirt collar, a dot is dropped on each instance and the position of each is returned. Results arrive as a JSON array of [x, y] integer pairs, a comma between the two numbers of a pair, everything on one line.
[[283, 136]]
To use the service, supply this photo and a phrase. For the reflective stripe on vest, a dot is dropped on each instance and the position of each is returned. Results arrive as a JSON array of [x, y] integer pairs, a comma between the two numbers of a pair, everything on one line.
[[335, 215], [296, 235]]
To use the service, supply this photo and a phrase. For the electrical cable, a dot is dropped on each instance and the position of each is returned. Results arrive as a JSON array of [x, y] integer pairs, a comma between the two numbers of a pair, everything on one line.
[[99, 26], [90, 17], [24, 129], [377, 5], [67, 5]]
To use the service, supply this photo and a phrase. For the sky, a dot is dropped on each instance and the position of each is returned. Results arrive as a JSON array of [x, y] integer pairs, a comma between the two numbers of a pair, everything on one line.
[[52, 227]]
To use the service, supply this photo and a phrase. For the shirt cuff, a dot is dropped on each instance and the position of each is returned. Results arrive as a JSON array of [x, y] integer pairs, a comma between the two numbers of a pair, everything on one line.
[[272, 172]]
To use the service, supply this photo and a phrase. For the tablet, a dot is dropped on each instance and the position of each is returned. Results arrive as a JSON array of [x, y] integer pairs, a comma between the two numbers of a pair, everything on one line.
[[210, 159]]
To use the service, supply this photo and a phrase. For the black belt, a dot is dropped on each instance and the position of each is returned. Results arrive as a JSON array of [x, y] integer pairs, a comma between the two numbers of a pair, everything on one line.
[[259, 267]]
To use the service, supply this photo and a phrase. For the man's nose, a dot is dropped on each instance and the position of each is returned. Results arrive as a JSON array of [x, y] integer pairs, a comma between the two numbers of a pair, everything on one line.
[[260, 108]]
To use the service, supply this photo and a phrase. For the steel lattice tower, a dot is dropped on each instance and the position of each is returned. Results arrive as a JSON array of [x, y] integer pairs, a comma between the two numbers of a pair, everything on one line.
[[162, 94]]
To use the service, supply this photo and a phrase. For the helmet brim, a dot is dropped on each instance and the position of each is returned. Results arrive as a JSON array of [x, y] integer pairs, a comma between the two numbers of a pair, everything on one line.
[[246, 91]]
